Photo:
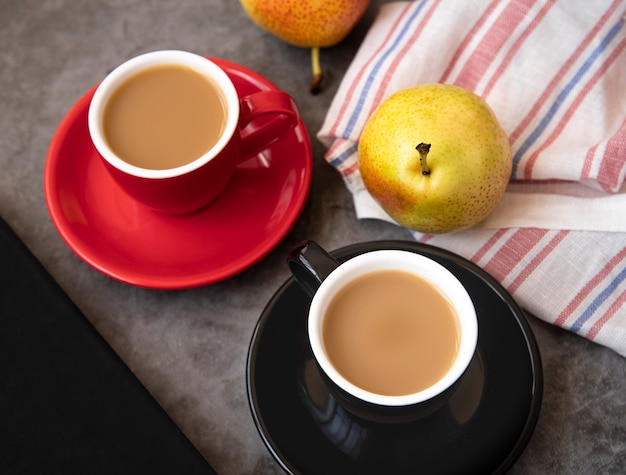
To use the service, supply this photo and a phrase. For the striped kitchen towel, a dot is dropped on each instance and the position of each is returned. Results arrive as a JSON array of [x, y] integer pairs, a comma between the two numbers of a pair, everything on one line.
[[555, 74]]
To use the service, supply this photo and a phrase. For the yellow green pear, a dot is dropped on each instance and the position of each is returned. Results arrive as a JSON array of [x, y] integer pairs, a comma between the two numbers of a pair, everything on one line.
[[435, 158], [307, 23]]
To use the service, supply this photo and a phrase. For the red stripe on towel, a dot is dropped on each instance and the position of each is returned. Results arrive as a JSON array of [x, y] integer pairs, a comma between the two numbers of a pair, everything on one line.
[[488, 245], [528, 170], [619, 302], [513, 251], [516, 47], [492, 43], [356, 83], [380, 93], [535, 261], [611, 173], [466, 41], [561, 73], [589, 287]]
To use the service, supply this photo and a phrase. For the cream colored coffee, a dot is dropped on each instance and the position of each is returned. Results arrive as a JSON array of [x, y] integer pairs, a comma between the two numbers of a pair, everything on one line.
[[391, 333], [164, 117]]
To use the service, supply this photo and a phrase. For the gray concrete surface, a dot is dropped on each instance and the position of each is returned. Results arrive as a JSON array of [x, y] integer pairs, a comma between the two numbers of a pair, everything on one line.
[[189, 347]]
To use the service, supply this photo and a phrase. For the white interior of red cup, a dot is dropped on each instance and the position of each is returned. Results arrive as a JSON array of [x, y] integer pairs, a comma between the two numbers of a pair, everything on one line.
[[131, 67], [422, 266]]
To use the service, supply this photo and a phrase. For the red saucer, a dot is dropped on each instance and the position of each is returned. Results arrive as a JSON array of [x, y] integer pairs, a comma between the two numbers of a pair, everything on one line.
[[127, 241]]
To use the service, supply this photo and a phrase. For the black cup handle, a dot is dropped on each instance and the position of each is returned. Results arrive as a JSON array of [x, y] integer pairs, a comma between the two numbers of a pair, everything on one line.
[[310, 264]]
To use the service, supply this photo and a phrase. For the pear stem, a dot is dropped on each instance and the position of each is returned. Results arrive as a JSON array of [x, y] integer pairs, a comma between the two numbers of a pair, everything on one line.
[[317, 70], [423, 149]]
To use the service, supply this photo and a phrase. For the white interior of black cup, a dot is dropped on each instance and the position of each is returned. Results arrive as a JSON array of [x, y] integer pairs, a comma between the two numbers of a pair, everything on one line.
[[422, 266], [131, 67]]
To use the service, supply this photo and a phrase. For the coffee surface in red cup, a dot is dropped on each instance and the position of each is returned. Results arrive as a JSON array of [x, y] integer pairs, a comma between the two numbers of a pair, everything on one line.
[[163, 117]]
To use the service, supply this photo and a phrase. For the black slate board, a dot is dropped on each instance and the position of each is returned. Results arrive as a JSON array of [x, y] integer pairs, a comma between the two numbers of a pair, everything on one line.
[[68, 403]]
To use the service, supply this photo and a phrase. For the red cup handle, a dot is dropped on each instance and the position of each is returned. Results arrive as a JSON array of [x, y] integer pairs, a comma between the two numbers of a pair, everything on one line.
[[280, 114]]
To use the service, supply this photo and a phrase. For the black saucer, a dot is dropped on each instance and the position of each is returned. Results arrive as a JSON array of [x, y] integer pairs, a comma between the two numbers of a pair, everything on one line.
[[482, 429]]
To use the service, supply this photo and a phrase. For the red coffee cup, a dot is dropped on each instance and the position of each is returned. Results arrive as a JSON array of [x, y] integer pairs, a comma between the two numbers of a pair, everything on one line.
[[189, 187]]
